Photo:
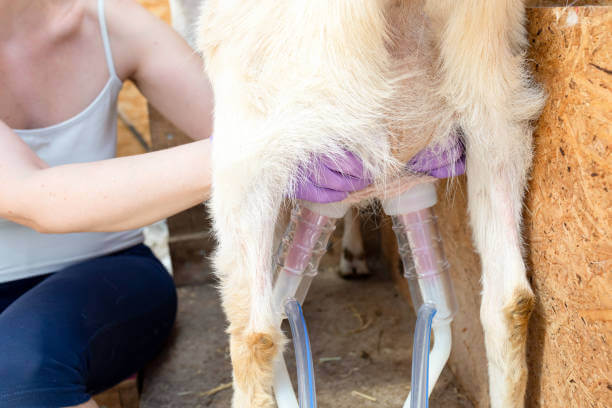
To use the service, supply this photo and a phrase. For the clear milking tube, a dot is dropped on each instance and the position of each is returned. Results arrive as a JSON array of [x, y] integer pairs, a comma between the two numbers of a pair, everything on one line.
[[300, 251], [431, 289], [421, 251]]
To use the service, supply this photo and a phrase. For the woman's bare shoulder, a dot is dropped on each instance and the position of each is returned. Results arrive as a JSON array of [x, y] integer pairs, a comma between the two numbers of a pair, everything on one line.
[[133, 32]]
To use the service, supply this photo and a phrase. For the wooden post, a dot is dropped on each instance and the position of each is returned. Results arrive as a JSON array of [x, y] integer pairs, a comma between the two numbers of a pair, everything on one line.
[[568, 221]]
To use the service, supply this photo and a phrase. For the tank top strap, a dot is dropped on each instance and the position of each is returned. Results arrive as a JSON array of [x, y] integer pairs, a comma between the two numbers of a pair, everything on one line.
[[106, 40]]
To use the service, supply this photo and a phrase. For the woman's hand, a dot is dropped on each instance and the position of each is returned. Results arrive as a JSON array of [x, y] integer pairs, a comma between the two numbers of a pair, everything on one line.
[[329, 179], [107, 195], [440, 163]]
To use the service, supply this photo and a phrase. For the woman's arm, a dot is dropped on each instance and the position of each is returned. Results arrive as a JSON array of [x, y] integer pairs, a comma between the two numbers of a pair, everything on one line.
[[165, 69], [128, 192], [134, 191], [109, 195]]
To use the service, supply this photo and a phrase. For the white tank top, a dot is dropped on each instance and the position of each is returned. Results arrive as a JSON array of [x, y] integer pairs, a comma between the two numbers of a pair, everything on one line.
[[89, 136]]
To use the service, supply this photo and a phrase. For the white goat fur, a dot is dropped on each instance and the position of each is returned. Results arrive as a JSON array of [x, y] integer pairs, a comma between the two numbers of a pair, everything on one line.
[[384, 79]]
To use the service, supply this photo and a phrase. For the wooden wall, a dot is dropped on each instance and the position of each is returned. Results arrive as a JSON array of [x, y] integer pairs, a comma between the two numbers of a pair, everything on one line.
[[568, 221]]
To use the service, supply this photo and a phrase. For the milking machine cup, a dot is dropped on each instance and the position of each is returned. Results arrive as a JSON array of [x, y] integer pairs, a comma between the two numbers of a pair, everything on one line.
[[431, 289], [297, 261], [425, 268]]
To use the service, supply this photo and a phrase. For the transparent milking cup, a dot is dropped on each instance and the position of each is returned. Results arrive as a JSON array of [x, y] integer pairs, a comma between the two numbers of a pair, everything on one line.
[[421, 251], [425, 265], [302, 246]]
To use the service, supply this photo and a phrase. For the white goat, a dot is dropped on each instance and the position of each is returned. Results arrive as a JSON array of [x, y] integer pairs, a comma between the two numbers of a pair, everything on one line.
[[383, 79]]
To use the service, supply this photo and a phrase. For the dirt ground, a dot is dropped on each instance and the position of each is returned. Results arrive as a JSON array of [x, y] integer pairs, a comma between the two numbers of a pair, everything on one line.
[[361, 335]]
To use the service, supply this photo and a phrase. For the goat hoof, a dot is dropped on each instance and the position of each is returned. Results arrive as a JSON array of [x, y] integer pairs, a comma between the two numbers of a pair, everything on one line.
[[353, 266]]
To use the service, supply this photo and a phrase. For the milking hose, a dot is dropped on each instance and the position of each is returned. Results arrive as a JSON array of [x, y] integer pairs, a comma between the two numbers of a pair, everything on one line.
[[419, 383], [303, 355]]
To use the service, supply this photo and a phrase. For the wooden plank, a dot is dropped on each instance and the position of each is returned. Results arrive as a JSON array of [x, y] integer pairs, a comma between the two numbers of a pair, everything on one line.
[[123, 395]]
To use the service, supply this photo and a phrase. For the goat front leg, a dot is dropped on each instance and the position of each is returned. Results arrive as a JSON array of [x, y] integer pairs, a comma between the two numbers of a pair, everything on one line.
[[245, 205], [482, 45]]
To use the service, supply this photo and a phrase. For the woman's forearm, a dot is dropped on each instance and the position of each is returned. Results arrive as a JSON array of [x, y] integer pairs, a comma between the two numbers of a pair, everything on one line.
[[115, 194]]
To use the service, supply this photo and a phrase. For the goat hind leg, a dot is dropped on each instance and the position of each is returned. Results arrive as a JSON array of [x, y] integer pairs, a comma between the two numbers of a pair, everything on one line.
[[484, 77], [243, 265], [507, 300]]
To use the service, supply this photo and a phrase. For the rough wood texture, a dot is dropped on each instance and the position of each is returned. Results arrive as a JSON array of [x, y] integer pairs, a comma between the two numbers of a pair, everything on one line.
[[569, 219], [132, 109], [132, 105], [123, 395], [567, 223]]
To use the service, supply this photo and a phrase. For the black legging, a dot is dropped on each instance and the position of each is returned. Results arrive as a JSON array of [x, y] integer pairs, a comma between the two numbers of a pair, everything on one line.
[[81, 330]]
